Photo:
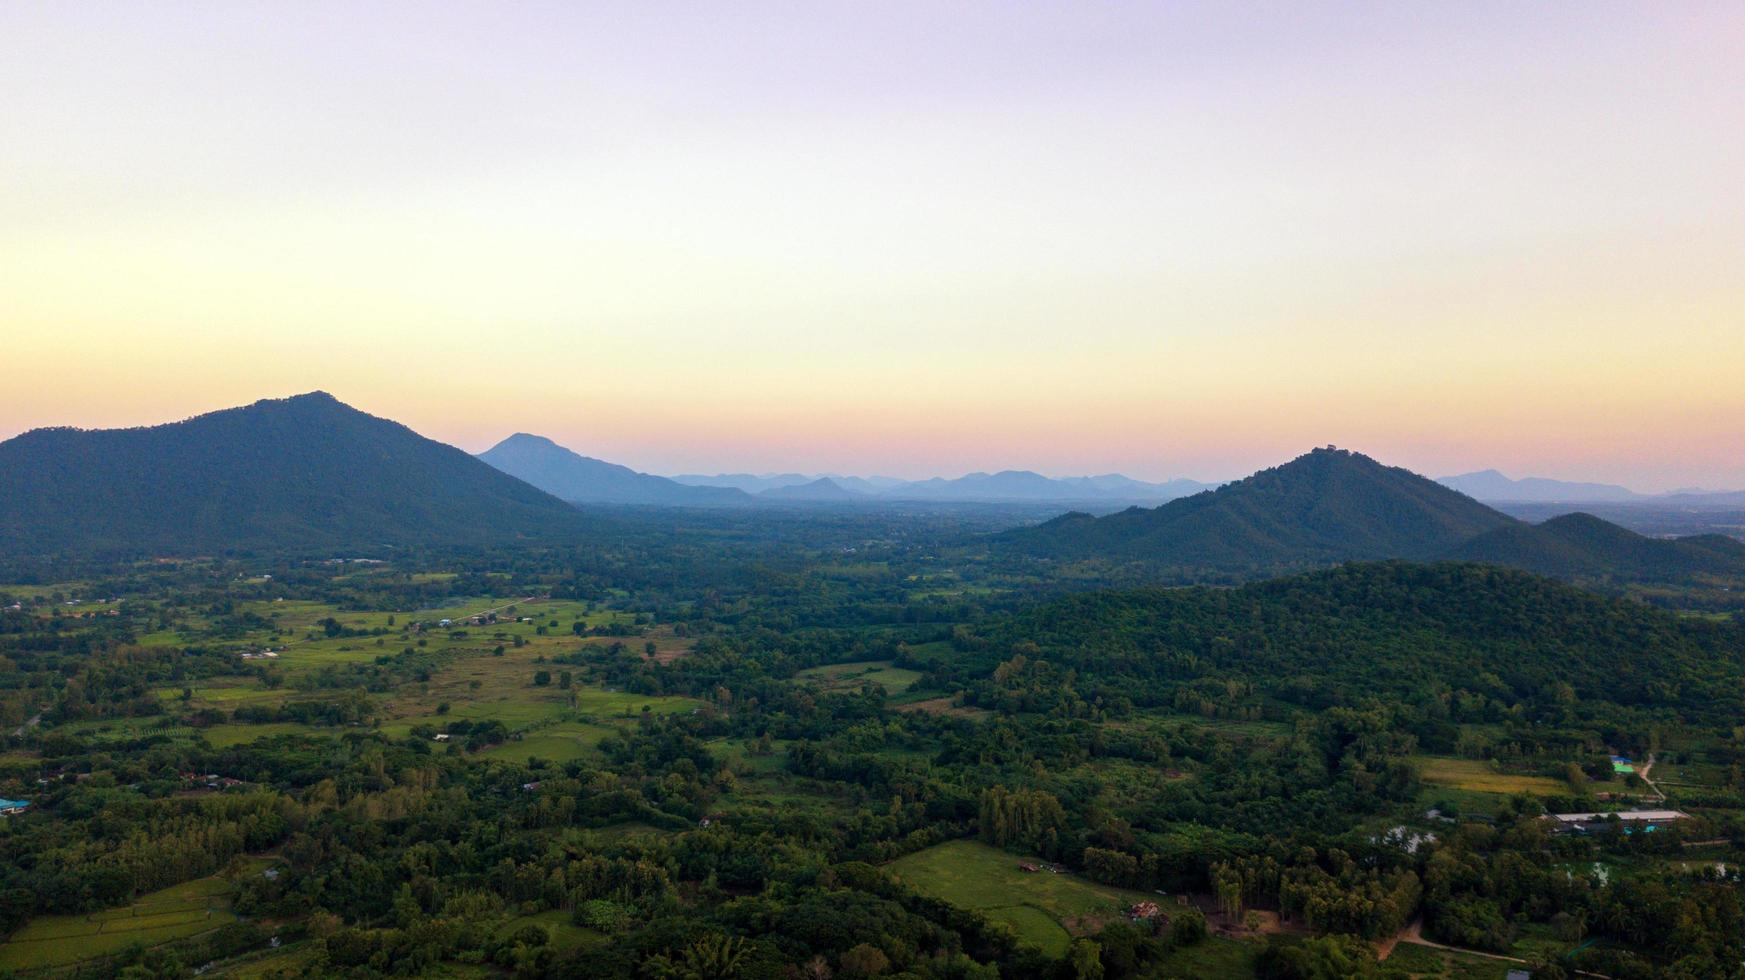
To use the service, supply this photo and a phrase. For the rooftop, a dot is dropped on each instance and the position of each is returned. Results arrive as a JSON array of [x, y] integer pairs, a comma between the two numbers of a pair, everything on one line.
[[1624, 815]]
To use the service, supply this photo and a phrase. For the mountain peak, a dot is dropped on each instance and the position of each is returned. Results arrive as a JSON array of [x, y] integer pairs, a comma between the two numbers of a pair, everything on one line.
[[527, 440], [304, 473], [570, 476], [1327, 505]]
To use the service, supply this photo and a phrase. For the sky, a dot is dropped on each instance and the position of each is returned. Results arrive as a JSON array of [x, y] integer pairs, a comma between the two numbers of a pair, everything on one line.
[[909, 238]]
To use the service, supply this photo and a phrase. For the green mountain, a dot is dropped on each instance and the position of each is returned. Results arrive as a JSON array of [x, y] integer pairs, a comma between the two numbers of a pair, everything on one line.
[[1585, 547], [1328, 506], [303, 474], [581, 479]]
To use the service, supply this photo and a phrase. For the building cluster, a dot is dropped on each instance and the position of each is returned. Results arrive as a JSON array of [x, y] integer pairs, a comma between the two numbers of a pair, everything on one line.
[[211, 781]]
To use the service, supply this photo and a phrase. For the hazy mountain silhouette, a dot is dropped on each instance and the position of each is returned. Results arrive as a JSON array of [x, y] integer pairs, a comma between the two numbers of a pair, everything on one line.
[[570, 476], [1009, 486], [822, 490], [302, 474], [750, 483], [1023, 485], [1492, 485]]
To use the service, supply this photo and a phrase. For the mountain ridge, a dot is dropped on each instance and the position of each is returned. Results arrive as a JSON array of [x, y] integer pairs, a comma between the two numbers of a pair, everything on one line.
[[1333, 506], [304, 473]]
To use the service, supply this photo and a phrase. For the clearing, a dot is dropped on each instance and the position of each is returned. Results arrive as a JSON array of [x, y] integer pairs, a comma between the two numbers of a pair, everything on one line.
[[1044, 909]]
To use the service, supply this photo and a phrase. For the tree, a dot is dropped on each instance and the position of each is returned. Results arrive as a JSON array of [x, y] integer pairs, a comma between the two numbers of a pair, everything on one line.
[[865, 960], [1086, 960], [541, 678]]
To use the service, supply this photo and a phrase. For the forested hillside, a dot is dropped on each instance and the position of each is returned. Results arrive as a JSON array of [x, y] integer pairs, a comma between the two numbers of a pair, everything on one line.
[[1581, 546], [1445, 633]]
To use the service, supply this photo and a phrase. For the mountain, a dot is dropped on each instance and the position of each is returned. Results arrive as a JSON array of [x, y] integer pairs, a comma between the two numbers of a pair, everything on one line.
[[1328, 506], [305, 474], [1583, 546], [746, 482], [821, 490], [1009, 486], [867, 484], [579, 479], [1705, 500], [1127, 488], [1023, 485], [1492, 485]]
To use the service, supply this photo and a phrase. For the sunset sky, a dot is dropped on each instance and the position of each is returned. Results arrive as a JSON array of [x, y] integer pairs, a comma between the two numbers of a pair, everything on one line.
[[1165, 239]]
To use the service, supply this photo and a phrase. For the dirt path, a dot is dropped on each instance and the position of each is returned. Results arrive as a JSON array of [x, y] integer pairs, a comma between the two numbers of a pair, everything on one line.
[[1659, 797], [1414, 933]]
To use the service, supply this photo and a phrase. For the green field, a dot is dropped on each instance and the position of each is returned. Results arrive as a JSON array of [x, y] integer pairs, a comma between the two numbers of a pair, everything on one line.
[[1045, 910], [1475, 775], [895, 680], [560, 743], [1213, 958], [183, 910], [562, 933], [224, 736]]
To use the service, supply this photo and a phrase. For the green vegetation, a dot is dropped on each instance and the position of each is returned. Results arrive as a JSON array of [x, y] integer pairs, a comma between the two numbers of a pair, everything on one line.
[[176, 912], [768, 745], [1043, 909]]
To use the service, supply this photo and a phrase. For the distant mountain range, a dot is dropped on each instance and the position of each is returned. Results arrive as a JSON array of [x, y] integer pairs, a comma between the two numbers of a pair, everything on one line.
[[822, 490], [1333, 506], [302, 474], [1004, 487], [571, 476], [1493, 487], [310, 474]]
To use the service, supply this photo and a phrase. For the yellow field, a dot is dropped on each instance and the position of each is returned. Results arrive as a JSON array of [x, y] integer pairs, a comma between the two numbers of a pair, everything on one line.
[[1475, 775]]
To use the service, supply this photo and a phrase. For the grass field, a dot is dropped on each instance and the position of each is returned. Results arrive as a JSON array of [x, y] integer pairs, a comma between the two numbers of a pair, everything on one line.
[[563, 933], [1214, 958], [1475, 775], [895, 680], [1045, 910], [293, 961], [183, 910], [560, 743], [224, 736]]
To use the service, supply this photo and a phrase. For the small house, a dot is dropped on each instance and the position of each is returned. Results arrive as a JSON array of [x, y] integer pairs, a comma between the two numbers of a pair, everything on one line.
[[10, 807]]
